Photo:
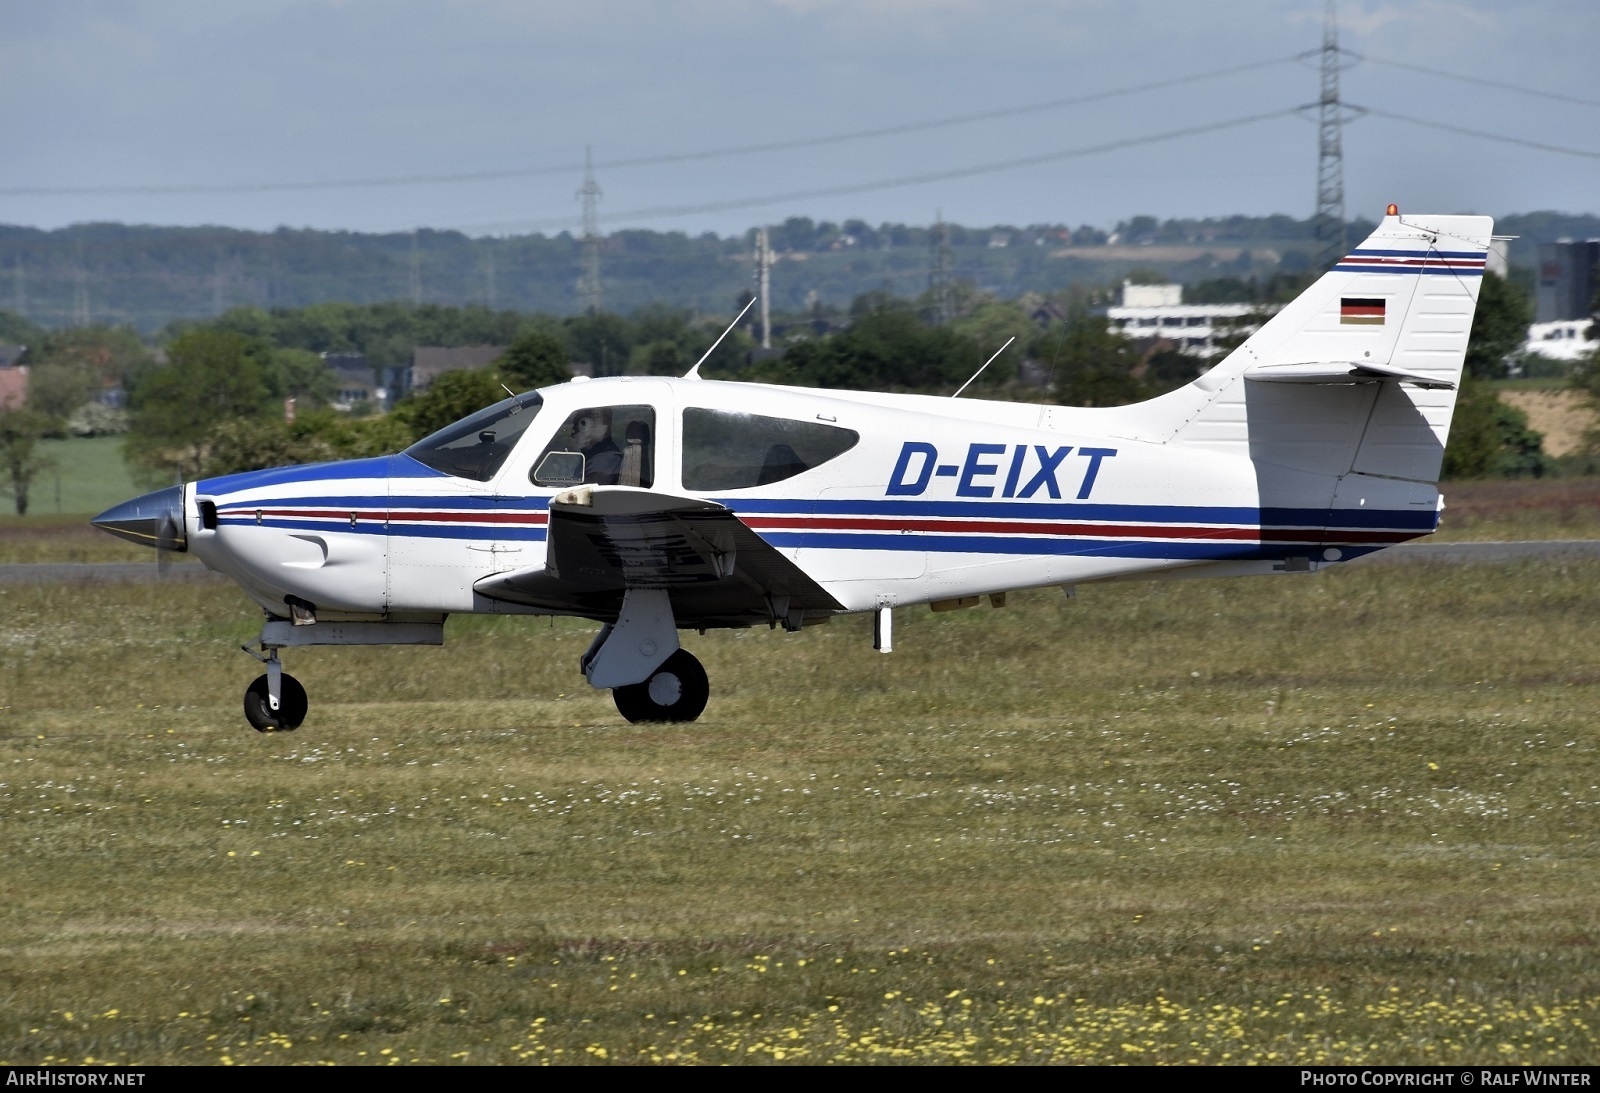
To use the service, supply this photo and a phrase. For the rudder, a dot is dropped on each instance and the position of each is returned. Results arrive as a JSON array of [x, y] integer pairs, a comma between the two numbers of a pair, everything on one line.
[[1356, 375]]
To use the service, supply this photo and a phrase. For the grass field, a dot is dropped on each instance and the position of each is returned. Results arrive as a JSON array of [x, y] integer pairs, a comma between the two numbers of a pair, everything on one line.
[[1342, 818], [86, 476]]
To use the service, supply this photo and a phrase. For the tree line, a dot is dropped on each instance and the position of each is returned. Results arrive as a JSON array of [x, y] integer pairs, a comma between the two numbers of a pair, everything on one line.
[[207, 398]]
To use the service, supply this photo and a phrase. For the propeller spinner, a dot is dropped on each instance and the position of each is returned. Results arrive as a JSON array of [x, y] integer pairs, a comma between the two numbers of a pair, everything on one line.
[[153, 520]]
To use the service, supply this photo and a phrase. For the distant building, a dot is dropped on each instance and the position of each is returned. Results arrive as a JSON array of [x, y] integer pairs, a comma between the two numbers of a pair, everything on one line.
[[1569, 275], [1151, 313], [355, 386], [13, 377], [429, 362], [336, 361], [1563, 339], [1151, 295], [354, 382]]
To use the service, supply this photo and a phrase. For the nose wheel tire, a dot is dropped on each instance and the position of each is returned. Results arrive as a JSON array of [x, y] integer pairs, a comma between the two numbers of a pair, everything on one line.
[[677, 691], [292, 706]]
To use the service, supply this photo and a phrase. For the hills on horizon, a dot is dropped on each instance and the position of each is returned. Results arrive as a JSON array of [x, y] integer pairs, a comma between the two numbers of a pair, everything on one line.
[[149, 276]]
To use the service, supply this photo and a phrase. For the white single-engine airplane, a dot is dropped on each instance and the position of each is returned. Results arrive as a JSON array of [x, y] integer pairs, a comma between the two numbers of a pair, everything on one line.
[[658, 505]]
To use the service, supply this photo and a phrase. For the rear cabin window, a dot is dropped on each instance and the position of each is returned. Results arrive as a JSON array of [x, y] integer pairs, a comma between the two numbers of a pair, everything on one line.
[[723, 450]]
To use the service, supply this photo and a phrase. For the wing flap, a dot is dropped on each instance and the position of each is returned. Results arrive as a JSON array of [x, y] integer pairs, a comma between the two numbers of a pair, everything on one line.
[[603, 540]]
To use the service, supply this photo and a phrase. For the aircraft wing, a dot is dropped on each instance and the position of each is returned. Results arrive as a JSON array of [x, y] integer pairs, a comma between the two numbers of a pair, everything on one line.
[[603, 540]]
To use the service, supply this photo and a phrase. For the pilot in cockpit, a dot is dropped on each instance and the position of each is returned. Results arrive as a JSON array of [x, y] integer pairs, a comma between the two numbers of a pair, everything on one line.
[[602, 459]]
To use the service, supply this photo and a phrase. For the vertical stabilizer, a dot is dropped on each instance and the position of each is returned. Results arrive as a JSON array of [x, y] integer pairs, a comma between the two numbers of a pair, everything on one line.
[[1356, 375]]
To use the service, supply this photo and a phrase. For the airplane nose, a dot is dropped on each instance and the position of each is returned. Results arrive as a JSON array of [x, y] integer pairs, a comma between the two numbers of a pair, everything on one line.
[[154, 520]]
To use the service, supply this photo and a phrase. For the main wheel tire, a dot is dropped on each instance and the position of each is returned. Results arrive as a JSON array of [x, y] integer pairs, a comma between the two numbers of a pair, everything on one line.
[[676, 691], [292, 705]]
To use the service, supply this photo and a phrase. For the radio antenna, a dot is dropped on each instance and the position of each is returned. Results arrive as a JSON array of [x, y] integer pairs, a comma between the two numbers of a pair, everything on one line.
[[986, 364], [694, 373]]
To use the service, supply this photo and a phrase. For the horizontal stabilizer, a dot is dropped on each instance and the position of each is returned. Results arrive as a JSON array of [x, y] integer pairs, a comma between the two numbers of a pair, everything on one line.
[[1344, 373]]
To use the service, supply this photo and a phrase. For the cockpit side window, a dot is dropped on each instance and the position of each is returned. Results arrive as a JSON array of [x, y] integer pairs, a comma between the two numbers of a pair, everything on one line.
[[724, 450], [602, 446], [476, 446]]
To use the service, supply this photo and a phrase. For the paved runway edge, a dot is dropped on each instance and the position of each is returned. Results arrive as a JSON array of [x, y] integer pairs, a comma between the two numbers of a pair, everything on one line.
[[1485, 553], [102, 572]]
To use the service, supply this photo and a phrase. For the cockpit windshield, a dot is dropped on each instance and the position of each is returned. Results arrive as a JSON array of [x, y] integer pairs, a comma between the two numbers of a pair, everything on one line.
[[476, 446]]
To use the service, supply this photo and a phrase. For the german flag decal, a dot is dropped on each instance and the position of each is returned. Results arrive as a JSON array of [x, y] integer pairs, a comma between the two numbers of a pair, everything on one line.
[[1361, 312]]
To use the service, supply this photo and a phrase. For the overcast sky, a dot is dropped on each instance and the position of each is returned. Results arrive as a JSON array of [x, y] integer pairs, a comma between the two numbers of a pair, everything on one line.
[[104, 96]]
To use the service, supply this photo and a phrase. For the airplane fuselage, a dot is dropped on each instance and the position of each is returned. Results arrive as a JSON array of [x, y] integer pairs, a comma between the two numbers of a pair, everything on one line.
[[933, 499]]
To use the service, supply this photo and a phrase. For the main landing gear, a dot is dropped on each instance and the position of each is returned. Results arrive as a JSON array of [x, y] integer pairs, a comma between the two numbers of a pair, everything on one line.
[[639, 660], [676, 691]]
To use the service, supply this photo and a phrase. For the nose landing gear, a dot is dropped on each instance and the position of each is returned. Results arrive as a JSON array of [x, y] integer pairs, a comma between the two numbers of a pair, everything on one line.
[[291, 710], [275, 702]]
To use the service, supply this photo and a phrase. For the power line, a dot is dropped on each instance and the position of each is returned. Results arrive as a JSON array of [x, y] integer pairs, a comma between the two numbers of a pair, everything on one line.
[[1464, 131], [642, 161], [960, 119], [661, 212], [1481, 81]]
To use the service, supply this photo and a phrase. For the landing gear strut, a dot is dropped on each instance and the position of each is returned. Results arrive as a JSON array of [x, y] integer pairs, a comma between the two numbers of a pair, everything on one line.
[[650, 677], [275, 702], [676, 691]]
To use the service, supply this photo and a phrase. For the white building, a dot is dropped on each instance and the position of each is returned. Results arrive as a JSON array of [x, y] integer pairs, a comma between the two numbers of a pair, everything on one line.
[[1151, 312]]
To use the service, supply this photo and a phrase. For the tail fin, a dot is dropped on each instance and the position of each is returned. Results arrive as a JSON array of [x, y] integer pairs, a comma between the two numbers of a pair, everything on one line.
[[1358, 375]]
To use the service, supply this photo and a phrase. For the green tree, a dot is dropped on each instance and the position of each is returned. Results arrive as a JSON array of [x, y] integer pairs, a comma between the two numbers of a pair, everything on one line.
[[58, 390], [71, 367], [210, 376], [16, 330], [660, 358], [1091, 365], [1499, 327], [249, 444], [1169, 369], [20, 457], [602, 341], [535, 358], [452, 397], [668, 343], [301, 375], [989, 325], [887, 347], [1585, 378], [1489, 439], [97, 419]]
